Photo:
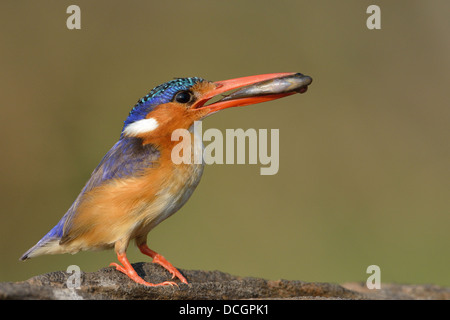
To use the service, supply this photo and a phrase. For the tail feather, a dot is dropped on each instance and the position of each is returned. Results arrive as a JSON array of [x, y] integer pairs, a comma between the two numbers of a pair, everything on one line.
[[49, 244]]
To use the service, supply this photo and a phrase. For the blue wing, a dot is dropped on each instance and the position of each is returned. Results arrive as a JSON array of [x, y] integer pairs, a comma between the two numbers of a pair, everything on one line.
[[127, 158]]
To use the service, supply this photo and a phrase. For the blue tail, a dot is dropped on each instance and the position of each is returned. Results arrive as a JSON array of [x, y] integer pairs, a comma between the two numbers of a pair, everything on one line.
[[53, 235]]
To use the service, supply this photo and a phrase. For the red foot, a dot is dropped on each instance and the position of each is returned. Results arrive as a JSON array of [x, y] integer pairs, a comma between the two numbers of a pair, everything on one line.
[[131, 273], [159, 259]]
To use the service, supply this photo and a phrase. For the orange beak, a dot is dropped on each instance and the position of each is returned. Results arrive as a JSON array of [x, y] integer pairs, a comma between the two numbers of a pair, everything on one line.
[[254, 89]]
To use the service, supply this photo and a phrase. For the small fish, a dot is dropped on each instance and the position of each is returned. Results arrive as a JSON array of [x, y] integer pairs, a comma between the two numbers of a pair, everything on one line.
[[292, 83]]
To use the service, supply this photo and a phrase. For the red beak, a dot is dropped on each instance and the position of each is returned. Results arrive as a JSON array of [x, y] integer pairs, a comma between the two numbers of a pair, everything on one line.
[[255, 89]]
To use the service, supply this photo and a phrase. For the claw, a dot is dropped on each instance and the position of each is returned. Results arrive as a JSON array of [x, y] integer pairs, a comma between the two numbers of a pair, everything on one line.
[[128, 270], [159, 259]]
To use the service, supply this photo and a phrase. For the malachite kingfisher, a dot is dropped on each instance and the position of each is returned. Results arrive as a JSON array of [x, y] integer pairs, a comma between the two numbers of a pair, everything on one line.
[[136, 185]]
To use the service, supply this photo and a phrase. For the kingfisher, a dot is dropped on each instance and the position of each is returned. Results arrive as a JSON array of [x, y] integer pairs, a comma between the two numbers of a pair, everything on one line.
[[137, 185]]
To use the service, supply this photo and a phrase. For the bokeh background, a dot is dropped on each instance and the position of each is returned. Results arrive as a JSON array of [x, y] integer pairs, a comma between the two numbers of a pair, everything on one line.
[[364, 155]]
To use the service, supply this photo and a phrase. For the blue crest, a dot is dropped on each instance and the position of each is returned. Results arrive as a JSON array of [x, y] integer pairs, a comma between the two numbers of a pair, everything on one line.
[[161, 94]]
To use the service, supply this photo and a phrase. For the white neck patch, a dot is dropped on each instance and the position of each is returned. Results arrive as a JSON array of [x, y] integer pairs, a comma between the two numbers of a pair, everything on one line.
[[141, 126]]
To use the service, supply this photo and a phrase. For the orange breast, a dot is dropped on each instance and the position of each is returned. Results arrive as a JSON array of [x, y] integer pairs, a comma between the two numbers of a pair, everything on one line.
[[128, 208]]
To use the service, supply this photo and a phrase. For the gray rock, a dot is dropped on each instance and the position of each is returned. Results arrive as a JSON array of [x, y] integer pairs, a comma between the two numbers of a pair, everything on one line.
[[109, 284]]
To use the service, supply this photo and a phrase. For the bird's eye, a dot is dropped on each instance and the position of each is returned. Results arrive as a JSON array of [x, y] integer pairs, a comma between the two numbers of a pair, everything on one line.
[[183, 97]]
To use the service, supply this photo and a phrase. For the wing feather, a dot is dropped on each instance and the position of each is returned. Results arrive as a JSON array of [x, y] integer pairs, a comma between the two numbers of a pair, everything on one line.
[[127, 158]]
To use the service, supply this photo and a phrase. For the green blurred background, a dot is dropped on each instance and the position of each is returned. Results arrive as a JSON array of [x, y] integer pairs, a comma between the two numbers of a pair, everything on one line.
[[364, 155]]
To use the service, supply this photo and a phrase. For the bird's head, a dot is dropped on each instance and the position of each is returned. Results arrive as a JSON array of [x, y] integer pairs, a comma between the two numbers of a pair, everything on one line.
[[178, 103]]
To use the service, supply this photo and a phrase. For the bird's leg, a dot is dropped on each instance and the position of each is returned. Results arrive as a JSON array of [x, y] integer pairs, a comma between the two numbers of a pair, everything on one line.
[[131, 273], [159, 259]]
